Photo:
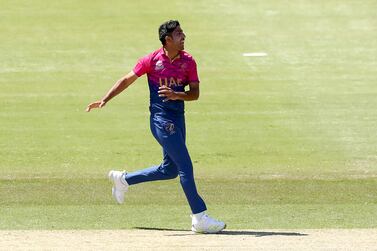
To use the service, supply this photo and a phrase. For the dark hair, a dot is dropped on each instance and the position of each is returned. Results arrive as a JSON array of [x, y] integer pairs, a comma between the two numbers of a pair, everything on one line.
[[166, 29]]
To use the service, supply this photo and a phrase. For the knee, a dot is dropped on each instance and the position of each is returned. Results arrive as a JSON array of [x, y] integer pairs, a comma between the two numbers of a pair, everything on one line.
[[172, 175], [170, 172], [186, 178]]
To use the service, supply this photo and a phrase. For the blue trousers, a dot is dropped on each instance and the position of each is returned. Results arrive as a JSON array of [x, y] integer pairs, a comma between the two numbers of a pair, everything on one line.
[[171, 135]]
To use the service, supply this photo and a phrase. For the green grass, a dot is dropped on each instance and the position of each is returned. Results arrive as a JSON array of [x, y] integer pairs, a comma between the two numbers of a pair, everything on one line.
[[251, 203], [284, 141]]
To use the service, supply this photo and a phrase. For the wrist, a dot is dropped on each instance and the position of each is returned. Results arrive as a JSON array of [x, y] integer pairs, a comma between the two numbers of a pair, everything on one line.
[[176, 95]]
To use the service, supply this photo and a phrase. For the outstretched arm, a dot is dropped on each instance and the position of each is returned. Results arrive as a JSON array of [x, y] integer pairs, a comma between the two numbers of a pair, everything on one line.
[[169, 94], [118, 87]]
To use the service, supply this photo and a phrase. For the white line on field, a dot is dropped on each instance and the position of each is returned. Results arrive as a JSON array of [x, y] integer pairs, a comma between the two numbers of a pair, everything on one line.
[[254, 54]]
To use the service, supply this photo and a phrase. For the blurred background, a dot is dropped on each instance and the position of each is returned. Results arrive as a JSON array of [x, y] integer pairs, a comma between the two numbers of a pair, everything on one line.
[[284, 140]]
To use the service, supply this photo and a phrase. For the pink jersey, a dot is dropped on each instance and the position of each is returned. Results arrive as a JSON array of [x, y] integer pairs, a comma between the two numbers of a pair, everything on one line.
[[161, 71]]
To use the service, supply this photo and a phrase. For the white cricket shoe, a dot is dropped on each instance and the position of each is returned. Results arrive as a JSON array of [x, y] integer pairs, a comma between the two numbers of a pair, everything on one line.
[[207, 225], [120, 185]]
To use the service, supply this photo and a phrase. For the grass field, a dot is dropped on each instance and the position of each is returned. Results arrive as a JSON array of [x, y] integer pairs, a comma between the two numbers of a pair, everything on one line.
[[283, 141]]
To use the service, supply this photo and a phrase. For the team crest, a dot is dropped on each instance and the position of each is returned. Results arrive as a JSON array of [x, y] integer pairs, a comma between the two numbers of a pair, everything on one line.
[[159, 65], [169, 127]]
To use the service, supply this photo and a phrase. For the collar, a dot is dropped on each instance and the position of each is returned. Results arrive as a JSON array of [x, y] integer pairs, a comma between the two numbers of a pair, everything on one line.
[[163, 53]]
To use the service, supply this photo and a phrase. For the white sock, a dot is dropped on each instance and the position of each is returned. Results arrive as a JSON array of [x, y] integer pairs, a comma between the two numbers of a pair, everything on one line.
[[197, 217]]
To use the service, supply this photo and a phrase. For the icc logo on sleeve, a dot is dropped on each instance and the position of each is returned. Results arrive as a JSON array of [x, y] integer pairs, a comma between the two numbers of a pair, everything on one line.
[[159, 65]]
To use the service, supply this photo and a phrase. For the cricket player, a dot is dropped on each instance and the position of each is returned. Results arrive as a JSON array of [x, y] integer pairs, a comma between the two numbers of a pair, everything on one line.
[[169, 69]]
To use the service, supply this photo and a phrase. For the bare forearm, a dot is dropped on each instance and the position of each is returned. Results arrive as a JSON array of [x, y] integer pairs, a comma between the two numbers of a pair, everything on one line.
[[120, 86], [188, 95], [169, 94], [117, 88]]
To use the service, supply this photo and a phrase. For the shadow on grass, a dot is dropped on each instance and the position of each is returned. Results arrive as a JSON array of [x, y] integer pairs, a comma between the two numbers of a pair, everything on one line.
[[226, 232]]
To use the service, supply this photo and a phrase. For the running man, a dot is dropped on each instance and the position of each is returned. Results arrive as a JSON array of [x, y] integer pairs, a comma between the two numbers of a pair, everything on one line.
[[169, 69]]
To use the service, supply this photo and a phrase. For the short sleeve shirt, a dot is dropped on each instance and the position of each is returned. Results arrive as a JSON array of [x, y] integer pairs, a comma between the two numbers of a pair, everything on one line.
[[161, 71]]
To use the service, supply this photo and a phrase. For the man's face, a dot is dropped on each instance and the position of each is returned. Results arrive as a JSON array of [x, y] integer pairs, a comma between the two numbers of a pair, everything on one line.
[[178, 38]]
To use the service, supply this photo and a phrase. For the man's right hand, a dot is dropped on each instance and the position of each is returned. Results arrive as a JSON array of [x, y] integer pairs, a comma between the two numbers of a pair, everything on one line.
[[97, 104]]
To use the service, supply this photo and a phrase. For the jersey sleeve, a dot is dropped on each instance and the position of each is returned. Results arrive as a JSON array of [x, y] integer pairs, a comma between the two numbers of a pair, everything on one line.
[[193, 73], [142, 66]]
